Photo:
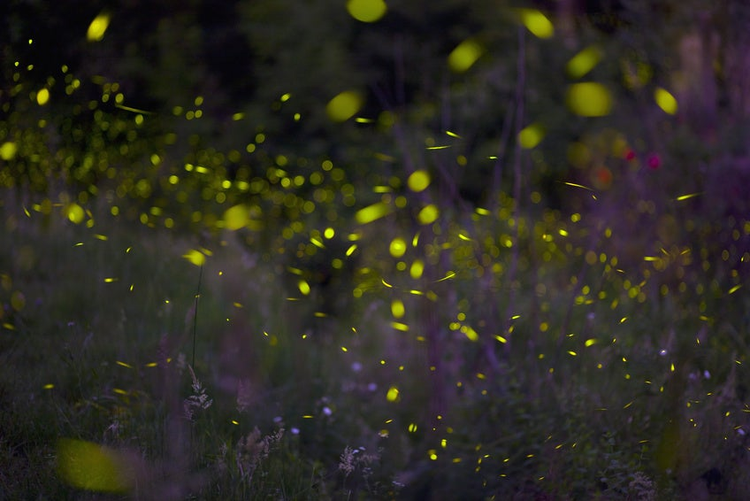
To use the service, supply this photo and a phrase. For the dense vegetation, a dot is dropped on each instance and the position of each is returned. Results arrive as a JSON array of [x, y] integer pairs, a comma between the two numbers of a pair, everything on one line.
[[445, 251]]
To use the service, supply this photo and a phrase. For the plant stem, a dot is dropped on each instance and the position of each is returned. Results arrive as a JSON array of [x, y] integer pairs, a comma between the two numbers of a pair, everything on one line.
[[195, 312]]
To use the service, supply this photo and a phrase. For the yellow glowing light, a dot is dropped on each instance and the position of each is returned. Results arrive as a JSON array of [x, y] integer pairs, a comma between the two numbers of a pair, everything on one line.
[[372, 213], [589, 99], [195, 256], [465, 55], [687, 197], [537, 23], [665, 101], [470, 333], [304, 287], [92, 467], [344, 106], [42, 97], [397, 247], [417, 268], [97, 28], [392, 394], [397, 308], [236, 217], [531, 136], [575, 185], [418, 181], [428, 214], [366, 11], [400, 326], [75, 213], [447, 276], [583, 62], [8, 150]]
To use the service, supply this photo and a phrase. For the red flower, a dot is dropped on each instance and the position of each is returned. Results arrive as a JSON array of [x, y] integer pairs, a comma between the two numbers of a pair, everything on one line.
[[653, 161]]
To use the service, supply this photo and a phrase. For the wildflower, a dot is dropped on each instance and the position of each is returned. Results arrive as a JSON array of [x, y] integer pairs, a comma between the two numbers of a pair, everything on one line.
[[350, 459], [347, 463], [642, 488], [253, 449], [114, 429], [198, 400], [221, 462], [653, 161]]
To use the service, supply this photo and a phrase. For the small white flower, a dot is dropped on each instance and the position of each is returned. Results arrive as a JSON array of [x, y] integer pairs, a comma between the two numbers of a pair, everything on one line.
[[706, 374], [327, 411], [294, 430]]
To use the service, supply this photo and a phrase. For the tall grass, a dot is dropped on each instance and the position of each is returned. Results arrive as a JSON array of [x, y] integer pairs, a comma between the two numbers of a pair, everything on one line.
[[613, 379]]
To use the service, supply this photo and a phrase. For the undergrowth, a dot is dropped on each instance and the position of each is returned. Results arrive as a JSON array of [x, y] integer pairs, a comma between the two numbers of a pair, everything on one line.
[[635, 400]]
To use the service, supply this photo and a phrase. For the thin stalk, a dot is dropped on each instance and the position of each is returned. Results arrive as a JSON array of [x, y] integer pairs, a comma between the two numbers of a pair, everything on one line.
[[195, 312]]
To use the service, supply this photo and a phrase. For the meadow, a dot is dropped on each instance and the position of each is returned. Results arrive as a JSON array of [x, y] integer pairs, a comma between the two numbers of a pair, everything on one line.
[[487, 353], [414, 300]]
